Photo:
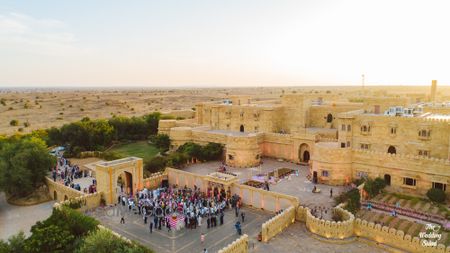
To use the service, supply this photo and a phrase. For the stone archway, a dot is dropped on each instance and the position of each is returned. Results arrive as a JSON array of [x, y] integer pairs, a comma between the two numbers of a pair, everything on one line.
[[304, 153], [125, 183], [130, 169], [392, 150]]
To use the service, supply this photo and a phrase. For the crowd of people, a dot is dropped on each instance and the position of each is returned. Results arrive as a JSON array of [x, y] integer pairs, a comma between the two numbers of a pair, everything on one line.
[[177, 208], [65, 173]]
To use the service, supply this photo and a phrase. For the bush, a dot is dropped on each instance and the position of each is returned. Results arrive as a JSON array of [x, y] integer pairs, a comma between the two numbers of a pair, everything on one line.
[[26, 124], [191, 149], [104, 241], [177, 159], [353, 201], [15, 244], [14, 122], [110, 155], [212, 151], [156, 164], [352, 198], [436, 195], [161, 141], [374, 187]]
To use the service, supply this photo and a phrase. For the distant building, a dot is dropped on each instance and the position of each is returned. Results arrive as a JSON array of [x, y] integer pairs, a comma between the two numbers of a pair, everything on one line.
[[408, 145]]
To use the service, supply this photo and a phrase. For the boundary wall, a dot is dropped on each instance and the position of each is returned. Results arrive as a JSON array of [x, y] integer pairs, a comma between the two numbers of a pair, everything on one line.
[[240, 245], [277, 224], [60, 192]]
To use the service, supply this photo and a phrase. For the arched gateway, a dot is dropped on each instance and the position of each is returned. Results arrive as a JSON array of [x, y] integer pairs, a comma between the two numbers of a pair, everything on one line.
[[129, 170], [304, 153]]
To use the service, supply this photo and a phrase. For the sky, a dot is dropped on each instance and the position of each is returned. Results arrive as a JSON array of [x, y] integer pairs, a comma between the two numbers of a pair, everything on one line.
[[223, 43]]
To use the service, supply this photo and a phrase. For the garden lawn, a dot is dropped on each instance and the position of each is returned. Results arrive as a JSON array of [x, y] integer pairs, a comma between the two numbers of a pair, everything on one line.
[[140, 149]]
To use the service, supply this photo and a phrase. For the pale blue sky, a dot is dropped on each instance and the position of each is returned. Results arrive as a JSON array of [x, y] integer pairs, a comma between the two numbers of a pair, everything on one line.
[[223, 43]]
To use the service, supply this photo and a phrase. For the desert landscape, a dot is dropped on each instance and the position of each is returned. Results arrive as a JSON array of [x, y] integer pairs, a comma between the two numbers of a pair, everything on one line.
[[43, 108]]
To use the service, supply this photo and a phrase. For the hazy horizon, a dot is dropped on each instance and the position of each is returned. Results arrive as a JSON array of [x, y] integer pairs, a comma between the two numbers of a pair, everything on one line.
[[178, 44]]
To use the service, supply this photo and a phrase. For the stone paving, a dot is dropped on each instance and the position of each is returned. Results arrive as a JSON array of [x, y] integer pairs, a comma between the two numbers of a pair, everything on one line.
[[185, 240], [14, 219], [297, 239], [299, 186]]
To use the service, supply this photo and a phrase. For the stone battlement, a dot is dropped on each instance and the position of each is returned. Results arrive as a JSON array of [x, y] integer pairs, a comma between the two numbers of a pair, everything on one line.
[[378, 154]]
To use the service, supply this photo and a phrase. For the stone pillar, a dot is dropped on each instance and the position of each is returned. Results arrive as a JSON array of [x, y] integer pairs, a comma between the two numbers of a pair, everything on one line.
[[433, 91]]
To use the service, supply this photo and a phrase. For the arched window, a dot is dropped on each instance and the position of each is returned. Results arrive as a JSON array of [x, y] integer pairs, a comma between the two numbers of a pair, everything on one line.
[[329, 118], [241, 129], [392, 150], [349, 127]]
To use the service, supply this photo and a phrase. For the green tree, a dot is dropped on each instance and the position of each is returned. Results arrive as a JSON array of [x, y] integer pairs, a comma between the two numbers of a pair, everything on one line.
[[153, 122], [161, 141], [157, 163], [134, 128], [436, 195], [15, 244], [353, 201], [103, 241], [49, 239], [64, 221], [374, 187], [23, 165], [177, 159], [54, 137], [191, 149], [212, 151]]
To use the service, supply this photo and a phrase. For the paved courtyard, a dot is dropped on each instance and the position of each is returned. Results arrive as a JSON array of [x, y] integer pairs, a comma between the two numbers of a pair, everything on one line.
[[297, 239], [298, 186], [14, 219], [185, 240]]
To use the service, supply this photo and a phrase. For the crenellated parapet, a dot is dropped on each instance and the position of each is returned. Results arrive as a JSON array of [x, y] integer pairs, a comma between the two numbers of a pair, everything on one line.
[[331, 229], [395, 238], [401, 157], [278, 223]]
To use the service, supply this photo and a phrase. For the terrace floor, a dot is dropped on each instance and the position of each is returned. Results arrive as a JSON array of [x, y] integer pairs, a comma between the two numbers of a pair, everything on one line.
[[298, 186], [185, 240]]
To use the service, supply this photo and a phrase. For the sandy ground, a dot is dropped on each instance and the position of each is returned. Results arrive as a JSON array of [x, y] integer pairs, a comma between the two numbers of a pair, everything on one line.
[[46, 107]]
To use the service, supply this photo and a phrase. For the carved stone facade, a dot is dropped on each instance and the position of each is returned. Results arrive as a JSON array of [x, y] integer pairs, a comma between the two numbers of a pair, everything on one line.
[[342, 139]]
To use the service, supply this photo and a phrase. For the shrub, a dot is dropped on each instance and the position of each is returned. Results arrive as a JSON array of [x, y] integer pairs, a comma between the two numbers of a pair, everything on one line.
[[26, 124], [436, 195], [157, 163], [374, 187], [104, 241], [352, 198], [15, 244], [161, 141], [177, 159], [14, 122], [110, 155], [353, 201]]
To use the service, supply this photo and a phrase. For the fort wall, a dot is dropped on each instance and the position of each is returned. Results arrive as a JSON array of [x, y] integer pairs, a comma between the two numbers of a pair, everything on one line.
[[277, 224], [60, 192], [240, 245]]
